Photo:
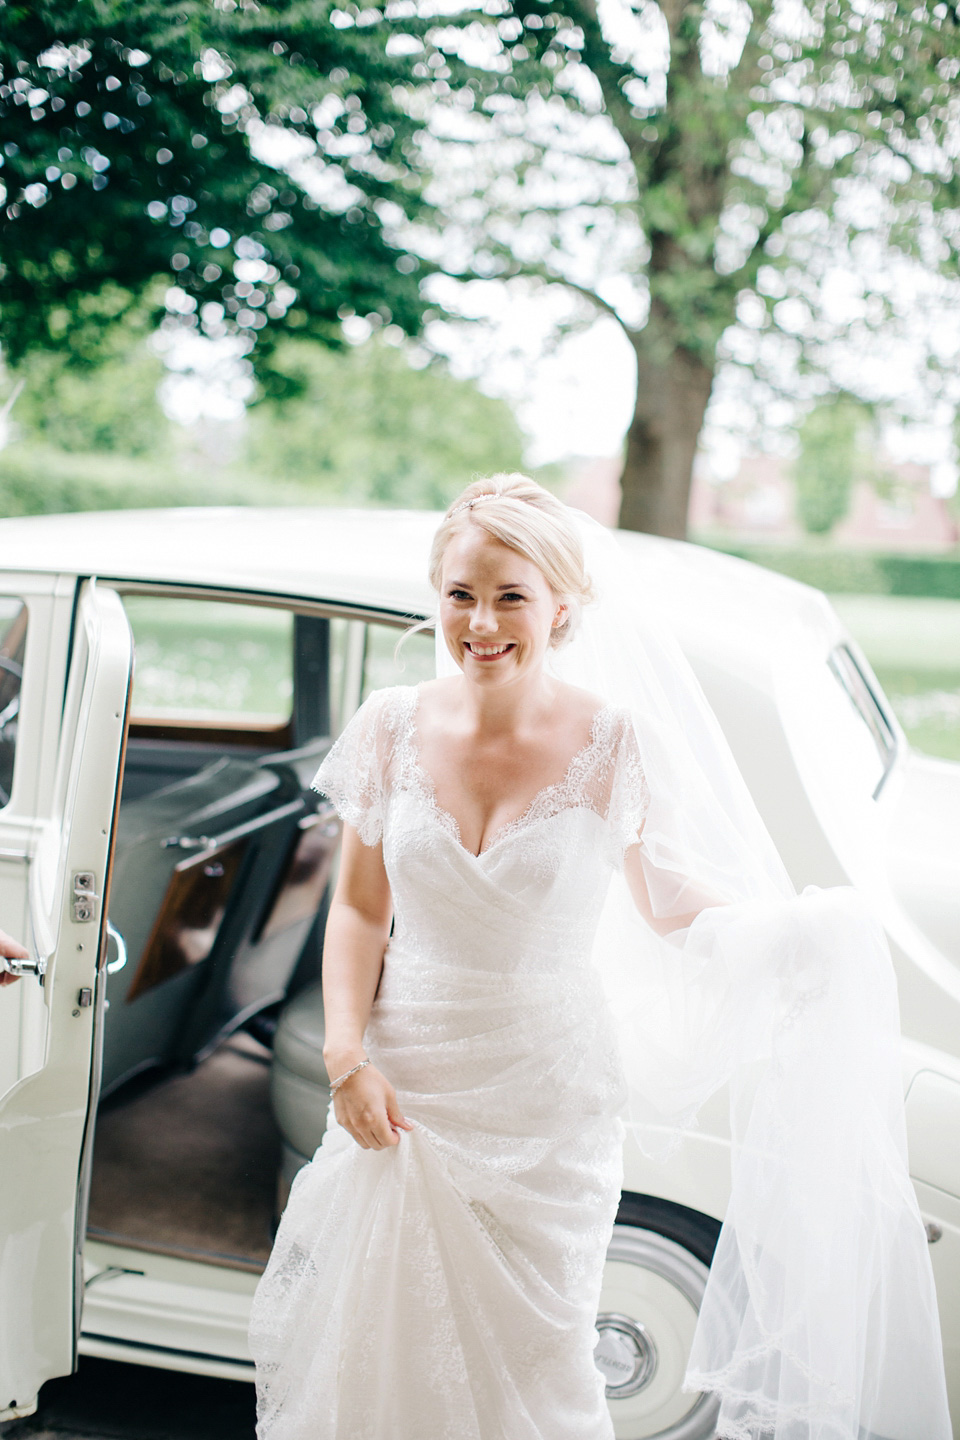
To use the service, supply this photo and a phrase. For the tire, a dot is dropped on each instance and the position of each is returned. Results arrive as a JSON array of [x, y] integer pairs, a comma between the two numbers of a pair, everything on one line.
[[656, 1272]]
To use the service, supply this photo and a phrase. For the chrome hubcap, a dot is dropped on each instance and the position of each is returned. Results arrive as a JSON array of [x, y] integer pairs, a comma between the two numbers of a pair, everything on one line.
[[625, 1355], [649, 1303]]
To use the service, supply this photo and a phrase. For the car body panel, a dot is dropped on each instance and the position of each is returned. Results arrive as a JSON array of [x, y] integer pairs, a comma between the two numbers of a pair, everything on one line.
[[924, 848], [317, 554], [44, 1113]]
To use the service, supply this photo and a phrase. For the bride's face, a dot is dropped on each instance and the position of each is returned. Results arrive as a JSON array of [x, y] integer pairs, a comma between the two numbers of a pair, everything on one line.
[[496, 608]]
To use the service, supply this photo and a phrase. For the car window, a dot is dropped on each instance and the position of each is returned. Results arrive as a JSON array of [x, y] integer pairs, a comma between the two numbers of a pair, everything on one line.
[[383, 666], [13, 635], [865, 695], [204, 661]]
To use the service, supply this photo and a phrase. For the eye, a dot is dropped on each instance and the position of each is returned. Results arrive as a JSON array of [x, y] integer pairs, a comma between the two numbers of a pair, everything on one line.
[[513, 595], [459, 595]]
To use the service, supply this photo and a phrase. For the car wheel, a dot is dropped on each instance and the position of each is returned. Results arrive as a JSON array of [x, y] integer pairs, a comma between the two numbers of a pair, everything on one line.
[[656, 1272]]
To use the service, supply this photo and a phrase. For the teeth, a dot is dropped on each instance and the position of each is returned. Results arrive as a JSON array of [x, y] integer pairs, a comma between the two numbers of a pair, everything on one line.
[[487, 649]]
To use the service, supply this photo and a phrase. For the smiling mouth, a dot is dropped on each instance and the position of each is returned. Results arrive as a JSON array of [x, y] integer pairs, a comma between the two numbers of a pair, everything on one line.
[[487, 652]]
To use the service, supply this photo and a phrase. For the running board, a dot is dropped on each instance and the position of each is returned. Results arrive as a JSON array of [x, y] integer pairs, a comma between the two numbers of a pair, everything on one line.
[[171, 1313], [102, 1348]]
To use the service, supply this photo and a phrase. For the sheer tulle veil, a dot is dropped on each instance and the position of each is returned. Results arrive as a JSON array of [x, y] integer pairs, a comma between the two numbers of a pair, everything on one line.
[[819, 1318]]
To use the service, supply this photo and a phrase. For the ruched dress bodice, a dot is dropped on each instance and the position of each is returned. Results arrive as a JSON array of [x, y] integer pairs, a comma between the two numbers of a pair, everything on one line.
[[448, 1287]]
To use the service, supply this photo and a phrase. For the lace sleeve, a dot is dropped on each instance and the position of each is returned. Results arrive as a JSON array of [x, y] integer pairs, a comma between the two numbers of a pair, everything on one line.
[[629, 793], [353, 771]]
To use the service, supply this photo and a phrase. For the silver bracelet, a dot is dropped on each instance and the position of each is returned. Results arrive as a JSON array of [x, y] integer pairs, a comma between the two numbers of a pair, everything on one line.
[[335, 1084]]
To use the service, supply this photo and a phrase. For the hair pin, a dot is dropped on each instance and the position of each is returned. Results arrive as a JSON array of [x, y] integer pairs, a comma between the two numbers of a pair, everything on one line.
[[475, 500]]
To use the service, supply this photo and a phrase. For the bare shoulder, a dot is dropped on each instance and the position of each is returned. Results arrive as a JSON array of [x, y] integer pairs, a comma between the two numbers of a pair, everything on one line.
[[442, 688], [437, 699], [580, 706]]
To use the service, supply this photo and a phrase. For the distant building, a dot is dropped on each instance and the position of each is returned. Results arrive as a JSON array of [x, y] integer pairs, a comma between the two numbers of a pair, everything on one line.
[[755, 504], [910, 518], [758, 505], [592, 483]]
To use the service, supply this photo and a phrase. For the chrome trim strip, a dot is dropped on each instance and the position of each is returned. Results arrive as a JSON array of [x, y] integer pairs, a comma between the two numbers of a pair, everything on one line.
[[167, 1350], [299, 604], [882, 727]]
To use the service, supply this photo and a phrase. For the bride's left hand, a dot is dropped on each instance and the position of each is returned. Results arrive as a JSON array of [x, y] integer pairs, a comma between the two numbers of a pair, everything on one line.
[[366, 1106]]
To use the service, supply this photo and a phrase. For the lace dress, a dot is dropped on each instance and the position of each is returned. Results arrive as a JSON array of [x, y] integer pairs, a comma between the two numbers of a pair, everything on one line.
[[447, 1288]]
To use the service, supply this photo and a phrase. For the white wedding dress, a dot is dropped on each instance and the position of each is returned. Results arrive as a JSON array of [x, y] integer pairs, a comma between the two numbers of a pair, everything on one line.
[[447, 1288]]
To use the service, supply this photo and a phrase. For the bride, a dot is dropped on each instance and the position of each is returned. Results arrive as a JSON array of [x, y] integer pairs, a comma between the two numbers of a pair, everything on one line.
[[557, 911]]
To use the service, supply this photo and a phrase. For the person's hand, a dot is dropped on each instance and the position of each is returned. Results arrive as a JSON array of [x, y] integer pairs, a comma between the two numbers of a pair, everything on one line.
[[12, 951], [366, 1106]]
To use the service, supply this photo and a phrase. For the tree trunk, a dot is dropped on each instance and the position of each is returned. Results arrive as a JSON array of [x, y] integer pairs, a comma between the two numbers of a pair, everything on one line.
[[672, 393]]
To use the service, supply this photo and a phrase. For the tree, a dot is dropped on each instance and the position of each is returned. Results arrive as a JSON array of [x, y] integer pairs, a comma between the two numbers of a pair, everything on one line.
[[359, 424], [671, 161], [111, 407], [368, 426], [830, 461], [254, 153]]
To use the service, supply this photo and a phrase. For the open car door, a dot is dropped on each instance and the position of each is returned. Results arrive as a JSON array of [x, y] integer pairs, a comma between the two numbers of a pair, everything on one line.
[[56, 834]]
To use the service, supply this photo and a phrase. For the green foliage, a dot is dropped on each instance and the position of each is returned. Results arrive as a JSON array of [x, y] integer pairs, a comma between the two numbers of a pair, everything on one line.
[[365, 426], [40, 480], [858, 572], [832, 455], [37, 479], [130, 134], [933, 575], [110, 407], [362, 426]]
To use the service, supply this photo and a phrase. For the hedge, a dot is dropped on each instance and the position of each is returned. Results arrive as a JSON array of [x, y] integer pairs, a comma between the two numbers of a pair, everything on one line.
[[858, 572], [41, 480]]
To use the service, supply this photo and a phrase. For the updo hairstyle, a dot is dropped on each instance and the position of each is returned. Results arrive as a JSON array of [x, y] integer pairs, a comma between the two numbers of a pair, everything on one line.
[[525, 517]]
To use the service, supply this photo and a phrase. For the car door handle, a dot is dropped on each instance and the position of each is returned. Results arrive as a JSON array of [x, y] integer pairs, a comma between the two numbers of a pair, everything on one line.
[[114, 934], [33, 965]]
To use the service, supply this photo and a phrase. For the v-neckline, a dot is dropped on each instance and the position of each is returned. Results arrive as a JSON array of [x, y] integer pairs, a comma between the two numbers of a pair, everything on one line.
[[509, 827]]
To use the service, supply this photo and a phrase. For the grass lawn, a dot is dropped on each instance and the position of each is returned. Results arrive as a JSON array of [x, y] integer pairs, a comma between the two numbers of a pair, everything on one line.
[[913, 645], [208, 658]]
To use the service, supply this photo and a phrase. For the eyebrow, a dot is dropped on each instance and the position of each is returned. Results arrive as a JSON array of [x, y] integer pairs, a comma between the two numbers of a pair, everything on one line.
[[464, 585]]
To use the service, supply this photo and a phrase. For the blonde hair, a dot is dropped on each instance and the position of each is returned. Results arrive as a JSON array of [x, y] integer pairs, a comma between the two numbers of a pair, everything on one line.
[[526, 518]]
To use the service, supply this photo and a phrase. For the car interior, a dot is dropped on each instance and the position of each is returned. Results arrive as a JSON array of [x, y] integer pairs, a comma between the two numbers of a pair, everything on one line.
[[214, 1091]]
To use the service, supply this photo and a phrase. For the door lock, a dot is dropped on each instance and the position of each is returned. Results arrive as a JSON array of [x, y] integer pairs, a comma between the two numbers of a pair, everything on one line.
[[85, 897]]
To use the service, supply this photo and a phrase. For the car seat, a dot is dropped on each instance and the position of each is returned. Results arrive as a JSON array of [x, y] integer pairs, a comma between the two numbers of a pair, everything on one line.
[[299, 1084]]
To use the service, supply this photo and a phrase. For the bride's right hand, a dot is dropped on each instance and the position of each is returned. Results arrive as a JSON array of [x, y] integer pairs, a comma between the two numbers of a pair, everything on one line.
[[366, 1106]]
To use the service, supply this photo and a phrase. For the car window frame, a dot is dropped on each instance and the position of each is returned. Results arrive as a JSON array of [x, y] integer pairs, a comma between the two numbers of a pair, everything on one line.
[[342, 706], [879, 719]]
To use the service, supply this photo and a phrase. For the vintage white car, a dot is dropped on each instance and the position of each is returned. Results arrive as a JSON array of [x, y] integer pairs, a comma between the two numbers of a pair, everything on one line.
[[165, 863]]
